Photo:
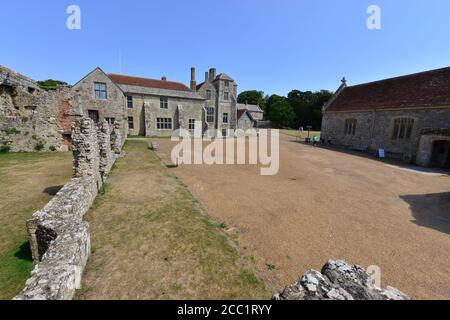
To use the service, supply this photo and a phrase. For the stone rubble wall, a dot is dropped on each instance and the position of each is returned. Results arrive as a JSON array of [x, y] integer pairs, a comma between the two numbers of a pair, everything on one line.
[[59, 237], [32, 119], [338, 281]]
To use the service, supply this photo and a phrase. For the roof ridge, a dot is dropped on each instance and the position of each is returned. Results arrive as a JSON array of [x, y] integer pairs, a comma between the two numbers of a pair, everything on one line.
[[153, 79], [399, 77]]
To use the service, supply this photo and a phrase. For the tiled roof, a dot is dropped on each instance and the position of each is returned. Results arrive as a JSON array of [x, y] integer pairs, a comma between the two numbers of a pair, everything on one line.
[[148, 83], [425, 89]]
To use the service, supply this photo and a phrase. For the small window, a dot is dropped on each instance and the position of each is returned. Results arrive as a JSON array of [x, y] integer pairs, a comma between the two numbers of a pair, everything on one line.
[[224, 132], [100, 91], [225, 118], [210, 114], [110, 121], [227, 84], [130, 123], [402, 128], [164, 103], [164, 123], [191, 124], [130, 102], [208, 94], [93, 114], [226, 96], [31, 90], [350, 126]]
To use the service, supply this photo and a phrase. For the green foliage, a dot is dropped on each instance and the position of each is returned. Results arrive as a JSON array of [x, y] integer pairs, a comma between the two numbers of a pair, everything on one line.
[[270, 267], [11, 131], [281, 114], [253, 97], [5, 148], [305, 105], [51, 84], [39, 147], [52, 148]]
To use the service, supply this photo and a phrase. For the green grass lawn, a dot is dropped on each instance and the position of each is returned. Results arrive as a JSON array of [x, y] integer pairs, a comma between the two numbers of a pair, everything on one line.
[[27, 182]]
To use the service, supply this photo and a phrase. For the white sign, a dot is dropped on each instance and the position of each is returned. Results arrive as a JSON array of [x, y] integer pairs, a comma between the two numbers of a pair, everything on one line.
[[381, 153]]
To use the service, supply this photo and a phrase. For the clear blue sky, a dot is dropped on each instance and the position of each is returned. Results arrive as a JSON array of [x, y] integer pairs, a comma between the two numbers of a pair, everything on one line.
[[274, 46]]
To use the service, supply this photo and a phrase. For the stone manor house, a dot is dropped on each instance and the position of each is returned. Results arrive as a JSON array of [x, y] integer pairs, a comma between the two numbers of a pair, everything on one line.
[[408, 117], [158, 107]]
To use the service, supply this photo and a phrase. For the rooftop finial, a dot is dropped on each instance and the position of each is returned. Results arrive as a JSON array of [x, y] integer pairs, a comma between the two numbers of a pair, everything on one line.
[[344, 81]]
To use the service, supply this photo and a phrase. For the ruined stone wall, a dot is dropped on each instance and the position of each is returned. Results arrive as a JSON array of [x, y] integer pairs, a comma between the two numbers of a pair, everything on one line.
[[32, 119], [59, 237], [338, 280]]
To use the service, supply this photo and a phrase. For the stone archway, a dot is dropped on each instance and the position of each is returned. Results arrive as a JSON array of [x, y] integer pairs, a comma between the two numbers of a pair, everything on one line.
[[434, 148]]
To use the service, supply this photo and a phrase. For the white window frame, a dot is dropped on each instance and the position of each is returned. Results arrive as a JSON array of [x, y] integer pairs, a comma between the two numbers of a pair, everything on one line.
[[164, 122], [191, 122]]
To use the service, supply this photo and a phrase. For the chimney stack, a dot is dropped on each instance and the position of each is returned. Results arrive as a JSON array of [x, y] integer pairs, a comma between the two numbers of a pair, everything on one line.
[[164, 78], [206, 76], [212, 74], [193, 82]]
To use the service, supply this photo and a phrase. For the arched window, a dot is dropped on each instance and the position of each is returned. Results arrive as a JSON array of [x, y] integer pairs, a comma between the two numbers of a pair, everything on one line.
[[350, 126], [402, 128]]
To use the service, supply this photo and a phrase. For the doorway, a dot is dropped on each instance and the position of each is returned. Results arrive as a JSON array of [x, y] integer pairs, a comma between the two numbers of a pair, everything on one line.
[[441, 154]]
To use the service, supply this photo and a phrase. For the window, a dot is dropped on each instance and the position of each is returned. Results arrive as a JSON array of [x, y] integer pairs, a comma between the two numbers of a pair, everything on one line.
[[224, 132], [164, 123], [130, 123], [130, 102], [225, 118], [208, 94], [226, 96], [210, 114], [227, 84], [100, 91], [110, 121], [191, 124], [93, 114], [402, 128], [164, 103], [350, 126]]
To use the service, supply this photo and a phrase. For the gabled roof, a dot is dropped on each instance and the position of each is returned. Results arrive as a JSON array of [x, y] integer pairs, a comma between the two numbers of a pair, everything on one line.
[[148, 83], [241, 113], [96, 69], [223, 76], [249, 107], [420, 90]]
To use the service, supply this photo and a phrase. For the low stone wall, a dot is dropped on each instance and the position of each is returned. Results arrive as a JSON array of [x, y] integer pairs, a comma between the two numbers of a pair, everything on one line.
[[59, 238], [338, 281]]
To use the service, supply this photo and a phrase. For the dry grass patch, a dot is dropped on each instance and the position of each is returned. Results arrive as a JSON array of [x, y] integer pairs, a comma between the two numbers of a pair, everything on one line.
[[27, 182], [151, 240]]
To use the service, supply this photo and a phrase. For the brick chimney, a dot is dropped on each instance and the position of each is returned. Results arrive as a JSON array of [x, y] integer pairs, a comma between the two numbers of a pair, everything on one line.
[[193, 82]]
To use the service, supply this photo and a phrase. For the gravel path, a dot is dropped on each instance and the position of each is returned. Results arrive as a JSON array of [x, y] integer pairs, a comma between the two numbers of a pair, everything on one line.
[[327, 204]]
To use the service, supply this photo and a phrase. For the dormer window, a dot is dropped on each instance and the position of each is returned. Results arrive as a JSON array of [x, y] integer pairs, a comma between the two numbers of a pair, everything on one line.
[[208, 94], [227, 84]]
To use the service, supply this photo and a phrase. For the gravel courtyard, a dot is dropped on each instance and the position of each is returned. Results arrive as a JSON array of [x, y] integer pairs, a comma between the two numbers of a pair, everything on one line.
[[326, 204]]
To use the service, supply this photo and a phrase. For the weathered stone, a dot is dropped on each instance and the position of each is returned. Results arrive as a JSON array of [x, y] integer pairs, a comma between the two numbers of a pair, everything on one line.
[[338, 281], [59, 238]]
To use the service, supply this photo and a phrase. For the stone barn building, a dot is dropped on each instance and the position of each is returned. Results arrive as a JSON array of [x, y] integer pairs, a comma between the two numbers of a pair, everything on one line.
[[408, 117]]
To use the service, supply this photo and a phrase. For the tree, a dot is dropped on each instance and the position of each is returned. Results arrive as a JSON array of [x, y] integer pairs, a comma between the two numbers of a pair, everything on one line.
[[51, 84], [253, 97], [307, 106], [280, 112]]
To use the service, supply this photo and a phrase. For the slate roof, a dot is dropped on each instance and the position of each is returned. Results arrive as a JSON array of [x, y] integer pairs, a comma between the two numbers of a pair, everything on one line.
[[249, 107], [425, 89]]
